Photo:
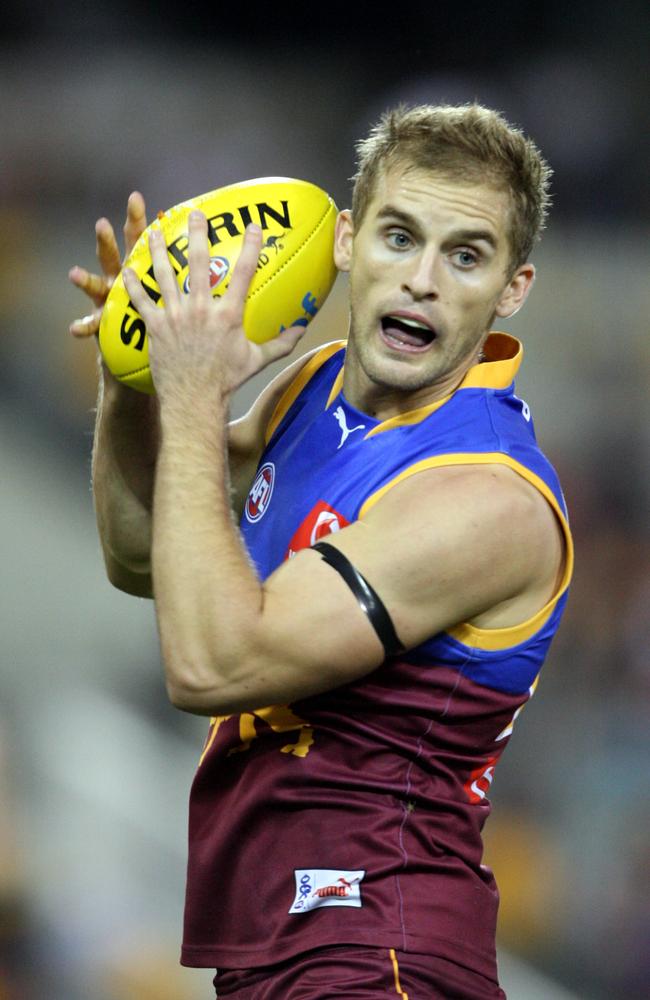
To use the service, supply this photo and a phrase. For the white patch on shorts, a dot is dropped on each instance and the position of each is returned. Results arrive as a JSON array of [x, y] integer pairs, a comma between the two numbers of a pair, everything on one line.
[[317, 887]]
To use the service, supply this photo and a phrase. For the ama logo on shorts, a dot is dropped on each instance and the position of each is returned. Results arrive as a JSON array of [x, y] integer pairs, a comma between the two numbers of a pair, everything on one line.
[[260, 493]]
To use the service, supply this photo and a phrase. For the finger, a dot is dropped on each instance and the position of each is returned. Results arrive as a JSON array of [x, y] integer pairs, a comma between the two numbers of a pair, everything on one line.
[[198, 256], [138, 296], [95, 286], [136, 220], [108, 253], [283, 344], [85, 327], [244, 270], [162, 269]]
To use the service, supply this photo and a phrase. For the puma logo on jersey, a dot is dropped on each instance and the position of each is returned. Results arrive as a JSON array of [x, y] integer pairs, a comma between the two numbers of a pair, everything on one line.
[[339, 415]]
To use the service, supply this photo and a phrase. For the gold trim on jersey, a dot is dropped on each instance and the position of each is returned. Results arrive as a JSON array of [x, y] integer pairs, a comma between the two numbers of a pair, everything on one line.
[[410, 417], [398, 986], [337, 385], [502, 356], [295, 387], [495, 638]]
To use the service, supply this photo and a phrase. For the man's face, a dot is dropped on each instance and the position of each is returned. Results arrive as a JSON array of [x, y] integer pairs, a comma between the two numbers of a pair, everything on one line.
[[429, 270]]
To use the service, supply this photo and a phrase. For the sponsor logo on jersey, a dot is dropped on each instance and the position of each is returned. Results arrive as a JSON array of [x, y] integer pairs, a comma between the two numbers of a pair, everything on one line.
[[260, 494], [321, 521], [318, 887], [478, 784], [327, 523], [219, 267], [339, 416]]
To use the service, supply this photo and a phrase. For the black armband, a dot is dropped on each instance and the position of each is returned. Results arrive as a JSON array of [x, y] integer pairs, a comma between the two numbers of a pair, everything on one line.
[[369, 601]]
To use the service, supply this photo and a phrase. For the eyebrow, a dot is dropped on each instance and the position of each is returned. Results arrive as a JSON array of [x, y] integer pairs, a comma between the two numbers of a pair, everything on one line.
[[472, 236], [457, 236], [390, 212]]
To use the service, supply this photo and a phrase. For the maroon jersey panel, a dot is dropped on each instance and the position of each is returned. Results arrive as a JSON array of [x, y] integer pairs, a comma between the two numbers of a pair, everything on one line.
[[353, 816]]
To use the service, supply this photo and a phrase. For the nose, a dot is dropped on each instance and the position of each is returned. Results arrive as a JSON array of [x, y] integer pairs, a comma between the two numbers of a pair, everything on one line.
[[421, 279]]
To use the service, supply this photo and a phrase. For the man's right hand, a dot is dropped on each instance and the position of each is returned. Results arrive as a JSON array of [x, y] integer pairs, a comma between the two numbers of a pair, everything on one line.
[[97, 286]]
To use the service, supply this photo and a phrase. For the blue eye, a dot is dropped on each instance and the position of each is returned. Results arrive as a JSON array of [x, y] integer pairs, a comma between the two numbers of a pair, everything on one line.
[[399, 239], [466, 258]]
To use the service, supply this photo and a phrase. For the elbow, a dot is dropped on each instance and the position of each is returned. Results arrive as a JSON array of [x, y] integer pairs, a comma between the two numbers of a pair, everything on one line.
[[200, 686], [198, 690], [212, 701], [136, 583], [187, 680], [188, 700]]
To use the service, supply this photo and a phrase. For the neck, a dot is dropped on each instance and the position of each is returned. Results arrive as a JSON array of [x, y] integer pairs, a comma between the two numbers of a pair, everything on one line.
[[382, 400]]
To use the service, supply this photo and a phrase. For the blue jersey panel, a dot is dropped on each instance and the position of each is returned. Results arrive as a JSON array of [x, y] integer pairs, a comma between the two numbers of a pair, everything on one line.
[[326, 459]]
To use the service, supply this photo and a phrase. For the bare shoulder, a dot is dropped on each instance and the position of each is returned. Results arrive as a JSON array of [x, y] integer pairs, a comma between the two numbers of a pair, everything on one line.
[[485, 495], [477, 498], [458, 544]]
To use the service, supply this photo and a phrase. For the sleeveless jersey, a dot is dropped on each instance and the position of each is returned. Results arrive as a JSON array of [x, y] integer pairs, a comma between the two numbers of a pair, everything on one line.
[[355, 816]]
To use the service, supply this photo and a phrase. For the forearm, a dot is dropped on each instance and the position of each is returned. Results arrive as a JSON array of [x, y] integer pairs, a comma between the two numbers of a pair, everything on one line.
[[123, 468], [231, 643], [208, 596], [209, 600]]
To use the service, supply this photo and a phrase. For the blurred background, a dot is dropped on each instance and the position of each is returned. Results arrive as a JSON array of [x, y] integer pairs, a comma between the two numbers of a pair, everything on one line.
[[95, 766]]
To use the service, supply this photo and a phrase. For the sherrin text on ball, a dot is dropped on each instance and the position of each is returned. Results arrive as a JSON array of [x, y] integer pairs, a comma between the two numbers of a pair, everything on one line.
[[294, 276]]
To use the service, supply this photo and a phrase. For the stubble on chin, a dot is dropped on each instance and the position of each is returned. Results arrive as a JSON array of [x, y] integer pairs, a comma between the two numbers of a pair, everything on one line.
[[386, 374]]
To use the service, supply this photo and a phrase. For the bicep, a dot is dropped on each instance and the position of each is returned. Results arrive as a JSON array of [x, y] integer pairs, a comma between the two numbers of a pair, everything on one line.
[[439, 549], [466, 544]]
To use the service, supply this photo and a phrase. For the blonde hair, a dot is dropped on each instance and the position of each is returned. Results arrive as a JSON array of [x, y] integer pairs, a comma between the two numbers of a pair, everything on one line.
[[467, 142]]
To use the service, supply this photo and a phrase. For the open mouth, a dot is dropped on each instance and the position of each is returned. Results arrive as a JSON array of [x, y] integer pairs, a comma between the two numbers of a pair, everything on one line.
[[407, 334]]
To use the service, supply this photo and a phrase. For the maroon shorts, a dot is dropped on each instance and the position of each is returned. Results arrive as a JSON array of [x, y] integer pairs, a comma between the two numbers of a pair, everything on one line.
[[350, 972]]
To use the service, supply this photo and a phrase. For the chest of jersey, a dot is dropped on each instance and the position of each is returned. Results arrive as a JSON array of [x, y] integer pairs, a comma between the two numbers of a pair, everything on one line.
[[326, 459], [313, 478]]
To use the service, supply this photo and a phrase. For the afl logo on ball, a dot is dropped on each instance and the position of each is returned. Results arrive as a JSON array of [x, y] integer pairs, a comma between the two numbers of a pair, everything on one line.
[[260, 493], [219, 267]]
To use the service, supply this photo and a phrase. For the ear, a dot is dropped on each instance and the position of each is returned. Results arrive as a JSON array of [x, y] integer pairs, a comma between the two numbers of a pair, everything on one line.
[[516, 291], [343, 238]]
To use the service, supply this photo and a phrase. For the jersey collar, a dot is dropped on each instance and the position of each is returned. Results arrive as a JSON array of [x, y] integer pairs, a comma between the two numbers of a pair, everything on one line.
[[502, 356]]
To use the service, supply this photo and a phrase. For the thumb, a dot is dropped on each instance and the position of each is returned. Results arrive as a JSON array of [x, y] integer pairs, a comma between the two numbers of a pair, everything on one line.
[[283, 344]]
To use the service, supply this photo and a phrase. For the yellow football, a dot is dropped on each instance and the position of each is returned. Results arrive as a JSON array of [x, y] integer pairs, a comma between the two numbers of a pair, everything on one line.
[[295, 271]]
